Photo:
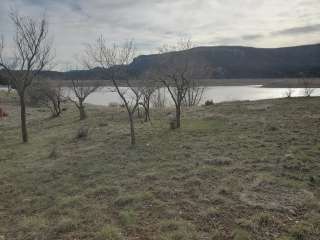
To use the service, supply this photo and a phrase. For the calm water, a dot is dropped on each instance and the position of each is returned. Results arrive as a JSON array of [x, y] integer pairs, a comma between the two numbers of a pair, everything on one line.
[[215, 93], [107, 95]]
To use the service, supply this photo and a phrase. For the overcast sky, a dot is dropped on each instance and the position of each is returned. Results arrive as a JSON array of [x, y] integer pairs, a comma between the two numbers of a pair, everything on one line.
[[151, 23]]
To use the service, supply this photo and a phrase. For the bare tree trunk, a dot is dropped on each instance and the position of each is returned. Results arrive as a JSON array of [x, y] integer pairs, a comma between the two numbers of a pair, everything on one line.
[[9, 86], [146, 108], [56, 109], [139, 113], [133, 137], [82, 112], [23, 119], [148, 111], [178, 115], [146, 115], [114, 60]]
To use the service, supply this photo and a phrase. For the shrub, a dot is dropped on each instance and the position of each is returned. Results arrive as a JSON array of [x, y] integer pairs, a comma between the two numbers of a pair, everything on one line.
[[209, 103], [82, 132]]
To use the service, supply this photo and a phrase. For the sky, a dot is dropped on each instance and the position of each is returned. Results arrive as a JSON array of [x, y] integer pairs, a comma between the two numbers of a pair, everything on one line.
[[152, 23]]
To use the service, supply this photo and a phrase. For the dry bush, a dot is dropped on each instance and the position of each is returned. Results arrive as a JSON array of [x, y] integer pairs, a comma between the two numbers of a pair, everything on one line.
[[289, 92], [209, 103], [307, 87], [82, 133], [47, 93]]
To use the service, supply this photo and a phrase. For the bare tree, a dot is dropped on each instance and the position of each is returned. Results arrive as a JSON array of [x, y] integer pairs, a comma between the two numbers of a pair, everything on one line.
[[32, 55], [147, 88], [81, 90], [146, 93], [174, 73], [55, 95], [131, 106], [114, 60], [307, 87], [195, 90], [158, 98], [289, 92]]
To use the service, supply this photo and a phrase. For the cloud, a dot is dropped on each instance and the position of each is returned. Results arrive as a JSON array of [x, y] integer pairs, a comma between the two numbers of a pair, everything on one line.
[[299, 30], [73, 5], [152, 23], [252, 36]]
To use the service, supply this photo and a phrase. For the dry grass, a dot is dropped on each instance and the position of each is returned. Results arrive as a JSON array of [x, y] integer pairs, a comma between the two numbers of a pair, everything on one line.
[[234, 171]]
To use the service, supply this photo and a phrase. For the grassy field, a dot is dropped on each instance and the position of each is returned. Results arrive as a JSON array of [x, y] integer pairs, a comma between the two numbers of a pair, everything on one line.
[[238, 171]]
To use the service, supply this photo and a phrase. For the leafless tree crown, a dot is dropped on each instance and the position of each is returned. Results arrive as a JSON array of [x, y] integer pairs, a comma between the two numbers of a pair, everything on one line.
[[114, 59], [32, 51], [307, 87], [83, 89], [176, 74], [107, 57], [32, 54]]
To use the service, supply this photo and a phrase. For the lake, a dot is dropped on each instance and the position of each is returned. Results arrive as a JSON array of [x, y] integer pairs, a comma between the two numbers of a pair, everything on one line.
[[217, 94]]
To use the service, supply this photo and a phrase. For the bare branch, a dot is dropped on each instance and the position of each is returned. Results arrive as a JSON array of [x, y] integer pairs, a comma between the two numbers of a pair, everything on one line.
[[307, 87], [114, 60], [175, 73], [31, 56], [81, 90]]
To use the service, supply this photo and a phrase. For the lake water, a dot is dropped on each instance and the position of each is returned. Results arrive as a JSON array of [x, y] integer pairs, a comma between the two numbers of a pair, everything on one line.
[[215, 93], [107, 95]]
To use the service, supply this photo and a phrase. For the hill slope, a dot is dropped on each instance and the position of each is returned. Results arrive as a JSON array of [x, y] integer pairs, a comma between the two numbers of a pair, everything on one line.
[[246, 62]]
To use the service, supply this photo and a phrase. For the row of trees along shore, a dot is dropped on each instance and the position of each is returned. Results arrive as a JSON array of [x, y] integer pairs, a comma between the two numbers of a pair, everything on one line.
[[33, 53]]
